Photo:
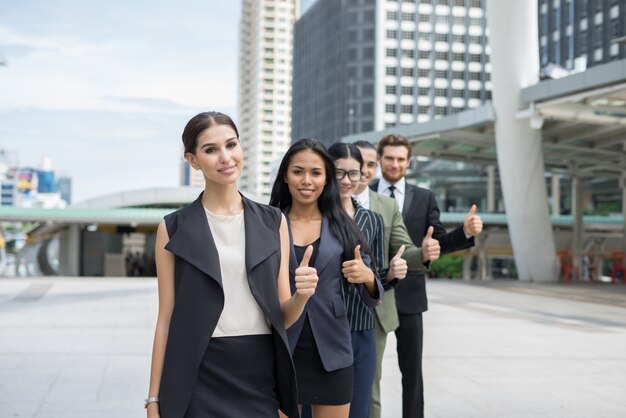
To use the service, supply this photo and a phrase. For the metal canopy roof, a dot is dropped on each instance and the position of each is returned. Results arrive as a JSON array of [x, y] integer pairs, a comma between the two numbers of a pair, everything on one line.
[[129, 216], [582, 119]]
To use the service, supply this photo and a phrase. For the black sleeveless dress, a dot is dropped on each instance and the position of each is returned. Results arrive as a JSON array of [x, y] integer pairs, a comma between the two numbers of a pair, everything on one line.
[[316, 386]]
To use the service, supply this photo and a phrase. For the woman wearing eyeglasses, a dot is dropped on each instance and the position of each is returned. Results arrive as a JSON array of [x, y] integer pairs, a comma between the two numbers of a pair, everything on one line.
[[348, 164], [326, 239]]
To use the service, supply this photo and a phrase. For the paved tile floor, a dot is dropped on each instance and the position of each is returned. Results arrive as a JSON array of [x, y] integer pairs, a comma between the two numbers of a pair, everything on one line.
[[81, 347]]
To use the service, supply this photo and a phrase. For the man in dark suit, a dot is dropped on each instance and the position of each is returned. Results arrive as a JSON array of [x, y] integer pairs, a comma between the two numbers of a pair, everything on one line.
[[419, 211]]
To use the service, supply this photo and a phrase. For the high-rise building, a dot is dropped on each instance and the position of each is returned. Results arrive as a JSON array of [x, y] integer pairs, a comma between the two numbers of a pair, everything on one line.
[[576, 34], [45, 176], [64, 188], [363, 65], [265, 73], [189, 176]]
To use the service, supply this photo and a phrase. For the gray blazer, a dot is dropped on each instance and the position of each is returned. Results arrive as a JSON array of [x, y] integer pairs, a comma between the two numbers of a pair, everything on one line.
[[326, 309]]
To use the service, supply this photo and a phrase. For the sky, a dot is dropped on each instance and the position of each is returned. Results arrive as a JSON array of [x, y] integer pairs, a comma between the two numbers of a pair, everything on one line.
[[105, 88]]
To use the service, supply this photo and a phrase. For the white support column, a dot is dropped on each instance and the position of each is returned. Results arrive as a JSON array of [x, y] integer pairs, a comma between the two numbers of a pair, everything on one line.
[[69, 251], [623, 185], [515, 65], [491, 189], [556, 194], [577, 230]]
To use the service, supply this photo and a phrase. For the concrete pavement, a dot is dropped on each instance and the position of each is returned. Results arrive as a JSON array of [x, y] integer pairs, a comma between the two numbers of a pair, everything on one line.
[[80, 347]]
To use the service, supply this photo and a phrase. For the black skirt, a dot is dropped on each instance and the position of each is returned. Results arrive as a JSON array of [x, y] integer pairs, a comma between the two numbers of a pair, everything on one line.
[[236, 379], [316, 386]]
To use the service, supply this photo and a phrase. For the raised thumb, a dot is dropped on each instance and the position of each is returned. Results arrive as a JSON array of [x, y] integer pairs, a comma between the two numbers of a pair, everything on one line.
[[357, 252], [307, 256], [399, 253]]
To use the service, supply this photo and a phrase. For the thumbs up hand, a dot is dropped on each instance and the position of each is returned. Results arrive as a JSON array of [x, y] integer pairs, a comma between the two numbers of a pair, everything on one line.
[[305, 276], [473, 225], [397, 266], [355, 271], [430, 247]]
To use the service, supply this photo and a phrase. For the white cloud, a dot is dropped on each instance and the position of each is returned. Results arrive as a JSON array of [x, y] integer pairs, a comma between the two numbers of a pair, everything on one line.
[[106, 92]]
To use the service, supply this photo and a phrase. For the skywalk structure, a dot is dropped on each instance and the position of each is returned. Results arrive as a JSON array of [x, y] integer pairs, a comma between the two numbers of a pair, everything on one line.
[[574, 126]]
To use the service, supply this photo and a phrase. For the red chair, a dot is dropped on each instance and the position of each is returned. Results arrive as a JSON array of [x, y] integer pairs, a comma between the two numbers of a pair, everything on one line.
[[617, 265], [567, 266]]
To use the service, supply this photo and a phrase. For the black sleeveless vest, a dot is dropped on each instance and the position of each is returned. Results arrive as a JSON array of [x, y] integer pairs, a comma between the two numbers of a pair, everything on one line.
[[199, 300]]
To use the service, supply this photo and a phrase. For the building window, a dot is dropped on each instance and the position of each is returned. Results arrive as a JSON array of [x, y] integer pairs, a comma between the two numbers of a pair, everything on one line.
[[441, 92], [408, 53], [423, 91], [368, 53], [392, 34], [423, 72], [407, 109], [441, 74], [392, 15], [441, 55], [410, 17], [423, 55], [390, 89], [408, 34], [423, 110], [407, 72], [458, 93], [391, 71], [441, 111], [391, 52], [390, 108], [407, 90]]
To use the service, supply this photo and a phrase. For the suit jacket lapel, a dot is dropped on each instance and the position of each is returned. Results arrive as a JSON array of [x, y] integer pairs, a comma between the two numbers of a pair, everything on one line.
[[193, 241], [409, 195], [329, 247], [257, 235]]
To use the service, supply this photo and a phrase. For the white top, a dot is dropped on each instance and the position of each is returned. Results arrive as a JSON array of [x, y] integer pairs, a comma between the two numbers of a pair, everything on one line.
[[364, 198], [242, 314], [399, 192]]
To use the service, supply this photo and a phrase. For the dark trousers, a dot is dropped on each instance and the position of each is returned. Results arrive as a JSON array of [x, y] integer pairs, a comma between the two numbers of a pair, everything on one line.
[[410, 336], [364, 351]]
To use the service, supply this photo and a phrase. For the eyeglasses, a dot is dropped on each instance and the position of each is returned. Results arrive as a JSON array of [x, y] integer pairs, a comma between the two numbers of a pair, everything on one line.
[[353, 175]]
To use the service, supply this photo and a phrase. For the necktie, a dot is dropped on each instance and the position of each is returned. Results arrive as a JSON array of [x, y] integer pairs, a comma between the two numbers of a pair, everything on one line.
[[391, 194]]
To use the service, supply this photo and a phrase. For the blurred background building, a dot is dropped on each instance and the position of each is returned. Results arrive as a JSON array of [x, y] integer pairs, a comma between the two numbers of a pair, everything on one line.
[[361, 66], [265, 73], [577, 34]]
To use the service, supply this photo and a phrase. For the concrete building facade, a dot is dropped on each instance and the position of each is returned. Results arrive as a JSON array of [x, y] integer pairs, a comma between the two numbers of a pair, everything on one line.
[[364, 65], [576, 34], [265, 75]]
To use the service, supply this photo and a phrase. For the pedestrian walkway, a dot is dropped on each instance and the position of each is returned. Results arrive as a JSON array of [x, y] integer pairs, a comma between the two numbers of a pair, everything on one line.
[[80, 347]]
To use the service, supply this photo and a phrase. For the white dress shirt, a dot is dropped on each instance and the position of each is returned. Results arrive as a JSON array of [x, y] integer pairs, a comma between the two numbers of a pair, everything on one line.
[[399, 192], [364, 198]]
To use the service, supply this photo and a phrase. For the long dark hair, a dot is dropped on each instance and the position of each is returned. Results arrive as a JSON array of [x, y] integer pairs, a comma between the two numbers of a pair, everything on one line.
[[342, 226]]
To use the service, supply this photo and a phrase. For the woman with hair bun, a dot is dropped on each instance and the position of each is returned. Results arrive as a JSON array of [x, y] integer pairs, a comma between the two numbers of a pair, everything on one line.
[[220, 345]]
